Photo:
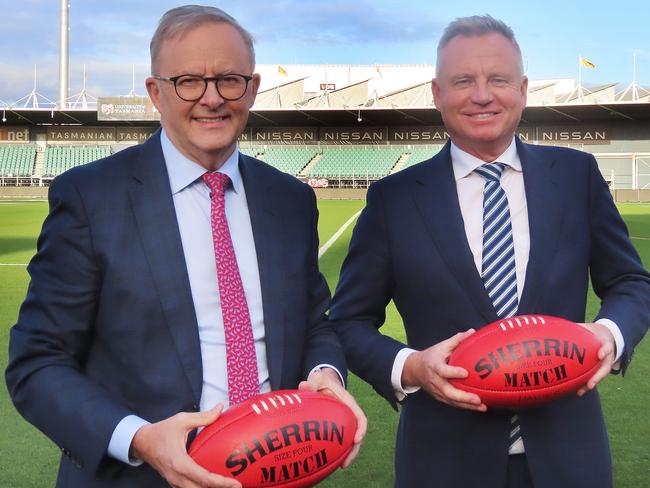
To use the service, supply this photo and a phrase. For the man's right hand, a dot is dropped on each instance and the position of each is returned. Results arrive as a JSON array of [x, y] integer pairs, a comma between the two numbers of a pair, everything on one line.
[[162, 445], [429, 370]]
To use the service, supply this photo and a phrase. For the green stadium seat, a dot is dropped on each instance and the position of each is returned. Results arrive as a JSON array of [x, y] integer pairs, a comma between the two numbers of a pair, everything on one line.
[[418, 154], [289, 159], [61, 158], [17, 160], [371, 162]]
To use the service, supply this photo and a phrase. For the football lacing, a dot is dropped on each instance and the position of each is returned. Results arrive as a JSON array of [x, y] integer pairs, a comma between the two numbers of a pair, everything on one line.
[[518, 323], [283, 400]]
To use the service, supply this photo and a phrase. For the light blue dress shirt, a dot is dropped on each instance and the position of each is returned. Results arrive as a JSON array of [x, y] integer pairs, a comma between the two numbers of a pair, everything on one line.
[[192, 203]]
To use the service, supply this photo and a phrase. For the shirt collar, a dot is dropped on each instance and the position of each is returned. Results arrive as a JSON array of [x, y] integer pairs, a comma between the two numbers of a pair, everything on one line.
[[183, 171], [464, 163]]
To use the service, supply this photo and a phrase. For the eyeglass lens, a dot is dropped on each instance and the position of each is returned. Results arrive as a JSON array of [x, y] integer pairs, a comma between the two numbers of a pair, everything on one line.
[[230, 87]]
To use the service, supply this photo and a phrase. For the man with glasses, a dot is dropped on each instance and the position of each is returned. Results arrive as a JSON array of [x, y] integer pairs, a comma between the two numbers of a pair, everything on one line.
[[172, 278]]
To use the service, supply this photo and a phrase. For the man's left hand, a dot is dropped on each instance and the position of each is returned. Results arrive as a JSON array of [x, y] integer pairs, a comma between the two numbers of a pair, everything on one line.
[[327, 381], [606, 354]]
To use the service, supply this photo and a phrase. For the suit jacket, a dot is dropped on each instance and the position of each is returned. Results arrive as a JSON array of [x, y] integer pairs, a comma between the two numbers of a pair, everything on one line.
[[108, 326], [410, 246]]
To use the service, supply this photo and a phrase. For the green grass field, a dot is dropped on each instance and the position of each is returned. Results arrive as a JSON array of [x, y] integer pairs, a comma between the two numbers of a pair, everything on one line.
[[28, 459]]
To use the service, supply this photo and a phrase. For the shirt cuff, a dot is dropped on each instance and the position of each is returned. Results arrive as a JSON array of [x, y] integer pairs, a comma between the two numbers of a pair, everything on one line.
[[122, 437], [321, 366], [618, 339], [396, 375]]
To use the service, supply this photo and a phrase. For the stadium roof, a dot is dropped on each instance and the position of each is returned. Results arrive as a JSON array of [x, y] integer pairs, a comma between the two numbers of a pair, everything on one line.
[[352, 95], [342, 117]]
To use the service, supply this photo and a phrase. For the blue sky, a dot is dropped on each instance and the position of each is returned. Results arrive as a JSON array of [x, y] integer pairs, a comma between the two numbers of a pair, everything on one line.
[[111, 36]]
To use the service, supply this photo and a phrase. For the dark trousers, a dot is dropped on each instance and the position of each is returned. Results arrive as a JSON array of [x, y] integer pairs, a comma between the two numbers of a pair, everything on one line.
[[518, 473]]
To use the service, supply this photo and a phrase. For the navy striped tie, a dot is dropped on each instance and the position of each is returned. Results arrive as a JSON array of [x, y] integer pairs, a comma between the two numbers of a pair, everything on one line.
[[498, 269]]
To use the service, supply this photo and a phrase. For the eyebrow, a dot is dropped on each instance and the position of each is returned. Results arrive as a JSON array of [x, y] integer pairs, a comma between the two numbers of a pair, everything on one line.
[[462, 75]]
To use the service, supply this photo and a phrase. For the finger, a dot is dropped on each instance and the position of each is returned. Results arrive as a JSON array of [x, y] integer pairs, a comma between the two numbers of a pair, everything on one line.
[[362, 427], [200, 419], [307, 386], [481, 407], [353, 454], [606, 350], [456, 339], [337, 391], [218, 481], [600, 374], [470, 406], [362, 422], [196, 475], [451, 372], [457, 395]]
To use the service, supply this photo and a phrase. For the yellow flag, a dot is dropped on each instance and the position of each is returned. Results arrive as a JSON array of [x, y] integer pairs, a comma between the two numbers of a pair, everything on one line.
[[587, 63], [282, 71]]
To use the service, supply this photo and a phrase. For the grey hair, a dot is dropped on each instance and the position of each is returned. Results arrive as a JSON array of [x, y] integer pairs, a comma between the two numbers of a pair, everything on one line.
[[180, 20], [477, 25]]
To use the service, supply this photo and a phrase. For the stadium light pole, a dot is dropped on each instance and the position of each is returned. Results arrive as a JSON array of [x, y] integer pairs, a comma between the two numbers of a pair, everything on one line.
[[63, 55]]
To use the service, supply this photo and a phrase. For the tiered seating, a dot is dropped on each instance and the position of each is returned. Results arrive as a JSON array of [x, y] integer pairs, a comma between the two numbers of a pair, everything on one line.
[[17, 160], [418, 154], [253, 151], [61, 158], [289, 159], [359, 162]]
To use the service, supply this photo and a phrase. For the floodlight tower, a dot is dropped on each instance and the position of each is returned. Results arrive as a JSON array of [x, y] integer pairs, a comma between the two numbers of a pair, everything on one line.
[[63, 55]]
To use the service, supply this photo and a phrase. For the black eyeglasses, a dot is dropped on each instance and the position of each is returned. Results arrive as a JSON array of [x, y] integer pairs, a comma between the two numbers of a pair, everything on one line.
[[191, 88]]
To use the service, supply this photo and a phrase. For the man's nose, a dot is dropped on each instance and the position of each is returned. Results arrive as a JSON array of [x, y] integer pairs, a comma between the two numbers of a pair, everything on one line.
[[482, 94], [211, 97]]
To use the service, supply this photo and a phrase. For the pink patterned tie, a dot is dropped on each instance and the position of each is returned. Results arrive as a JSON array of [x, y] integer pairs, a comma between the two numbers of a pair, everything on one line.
[[241, 361]]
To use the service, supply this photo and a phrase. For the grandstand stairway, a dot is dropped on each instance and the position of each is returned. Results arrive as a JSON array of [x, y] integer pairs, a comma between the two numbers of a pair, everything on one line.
[[40, 161], [305, 171], [400, 163]]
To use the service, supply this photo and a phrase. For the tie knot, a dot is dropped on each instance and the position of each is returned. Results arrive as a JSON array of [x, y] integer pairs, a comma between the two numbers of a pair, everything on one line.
[[217, 182], [491, 171]]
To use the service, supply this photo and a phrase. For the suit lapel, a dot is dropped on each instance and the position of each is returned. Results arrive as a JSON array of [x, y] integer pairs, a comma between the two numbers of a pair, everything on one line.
[[437, 199], [262, 205], [153, 206], [545, 210]]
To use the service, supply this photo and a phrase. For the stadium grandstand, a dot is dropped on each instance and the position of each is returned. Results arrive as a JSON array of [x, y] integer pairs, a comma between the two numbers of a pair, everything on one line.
[[336, 127]]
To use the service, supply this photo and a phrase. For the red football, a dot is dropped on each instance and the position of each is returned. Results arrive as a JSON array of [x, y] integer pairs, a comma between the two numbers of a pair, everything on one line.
[[526, 360], [284, 438]]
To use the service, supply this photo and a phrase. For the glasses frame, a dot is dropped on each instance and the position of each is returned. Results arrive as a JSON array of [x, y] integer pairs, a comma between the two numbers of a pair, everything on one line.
[[206, 80]]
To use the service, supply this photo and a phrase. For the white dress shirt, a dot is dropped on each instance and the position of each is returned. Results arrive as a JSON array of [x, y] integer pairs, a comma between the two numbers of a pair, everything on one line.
[[193, 205], [470, 186]]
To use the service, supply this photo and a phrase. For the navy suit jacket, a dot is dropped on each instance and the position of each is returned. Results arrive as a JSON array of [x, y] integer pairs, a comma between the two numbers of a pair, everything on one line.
[[410, 246], [108, 326]]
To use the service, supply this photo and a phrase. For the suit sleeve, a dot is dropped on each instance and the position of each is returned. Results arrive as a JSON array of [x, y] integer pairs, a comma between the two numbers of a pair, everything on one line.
[[49, 343], [617, 274], [364, 290], [323, 346]]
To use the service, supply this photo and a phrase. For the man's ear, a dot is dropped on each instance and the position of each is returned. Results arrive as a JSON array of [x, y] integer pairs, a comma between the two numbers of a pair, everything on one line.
[[255, 86], [154, 91], [435, 89]]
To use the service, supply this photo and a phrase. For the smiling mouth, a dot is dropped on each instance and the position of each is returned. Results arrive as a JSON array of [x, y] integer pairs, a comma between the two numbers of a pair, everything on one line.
[[211, 119], [483, 116]]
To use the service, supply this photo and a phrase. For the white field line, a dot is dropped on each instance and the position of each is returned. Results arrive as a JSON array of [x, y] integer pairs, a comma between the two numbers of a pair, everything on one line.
[[640, 238], [336, 235], [13, 264]]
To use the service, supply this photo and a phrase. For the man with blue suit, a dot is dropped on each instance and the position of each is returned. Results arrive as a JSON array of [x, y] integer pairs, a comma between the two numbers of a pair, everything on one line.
[[156, 263], [488, 228]]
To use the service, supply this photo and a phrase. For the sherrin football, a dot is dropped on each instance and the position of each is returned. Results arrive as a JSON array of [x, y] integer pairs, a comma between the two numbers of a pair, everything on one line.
[[526, 360], [284, 438]]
